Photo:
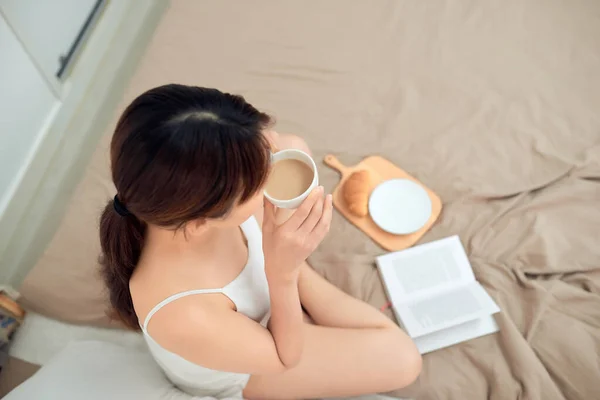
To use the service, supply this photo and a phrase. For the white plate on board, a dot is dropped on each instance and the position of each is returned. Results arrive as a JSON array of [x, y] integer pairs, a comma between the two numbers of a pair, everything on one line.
[[400, 206]]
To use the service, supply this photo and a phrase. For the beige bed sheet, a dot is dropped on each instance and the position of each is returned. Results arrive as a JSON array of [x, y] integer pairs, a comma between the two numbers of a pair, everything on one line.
[[494, 105]]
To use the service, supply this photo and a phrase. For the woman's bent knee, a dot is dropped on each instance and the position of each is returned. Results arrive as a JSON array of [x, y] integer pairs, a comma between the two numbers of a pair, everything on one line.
[[288, 141], [407, 367], [413, 363]]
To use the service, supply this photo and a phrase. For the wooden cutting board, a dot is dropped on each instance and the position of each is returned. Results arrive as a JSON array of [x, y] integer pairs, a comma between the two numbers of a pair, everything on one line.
[[381, 170]]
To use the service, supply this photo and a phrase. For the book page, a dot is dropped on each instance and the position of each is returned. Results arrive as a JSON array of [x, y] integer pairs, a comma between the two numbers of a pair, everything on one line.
[[456, 334], [451, 308], [425, 270]]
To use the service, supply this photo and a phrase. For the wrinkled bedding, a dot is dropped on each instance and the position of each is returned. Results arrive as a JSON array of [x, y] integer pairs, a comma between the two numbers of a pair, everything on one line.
[[494, 105]]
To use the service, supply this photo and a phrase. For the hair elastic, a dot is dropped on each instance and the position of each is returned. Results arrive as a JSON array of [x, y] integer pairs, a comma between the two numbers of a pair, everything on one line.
[[120, 207]]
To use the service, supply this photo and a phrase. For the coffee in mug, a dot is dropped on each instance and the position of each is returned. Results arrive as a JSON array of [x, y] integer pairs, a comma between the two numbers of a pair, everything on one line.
[[293, 175], [289, 179]]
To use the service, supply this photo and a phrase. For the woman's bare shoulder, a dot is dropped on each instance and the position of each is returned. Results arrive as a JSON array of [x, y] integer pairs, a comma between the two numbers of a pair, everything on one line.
[[150, 286], [191, 310]]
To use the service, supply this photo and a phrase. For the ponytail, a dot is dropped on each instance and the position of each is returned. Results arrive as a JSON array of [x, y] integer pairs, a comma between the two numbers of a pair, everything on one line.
[[122, 240]]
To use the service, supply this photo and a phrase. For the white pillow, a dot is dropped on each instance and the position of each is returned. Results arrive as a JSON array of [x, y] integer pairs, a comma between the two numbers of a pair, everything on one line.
[[40, 338], [94, 370]]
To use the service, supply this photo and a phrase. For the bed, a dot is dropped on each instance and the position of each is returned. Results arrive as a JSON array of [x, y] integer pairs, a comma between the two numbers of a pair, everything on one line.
[[494, 105]]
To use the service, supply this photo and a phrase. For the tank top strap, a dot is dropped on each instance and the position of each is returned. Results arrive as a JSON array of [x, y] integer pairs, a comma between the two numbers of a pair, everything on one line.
[[171, 299]]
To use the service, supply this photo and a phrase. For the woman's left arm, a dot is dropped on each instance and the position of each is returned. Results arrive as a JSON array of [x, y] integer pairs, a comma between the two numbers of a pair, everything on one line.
[[329, 306]]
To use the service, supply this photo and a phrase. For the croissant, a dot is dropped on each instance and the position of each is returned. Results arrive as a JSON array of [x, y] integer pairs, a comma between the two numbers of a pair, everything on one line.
[[356, 192]]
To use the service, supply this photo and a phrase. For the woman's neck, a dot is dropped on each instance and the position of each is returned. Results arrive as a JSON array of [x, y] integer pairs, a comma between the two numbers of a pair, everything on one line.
[[195, 258], [180, 241]]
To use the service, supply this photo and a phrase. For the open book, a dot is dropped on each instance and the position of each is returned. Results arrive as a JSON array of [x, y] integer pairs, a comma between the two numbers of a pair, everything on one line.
[[435, 296]]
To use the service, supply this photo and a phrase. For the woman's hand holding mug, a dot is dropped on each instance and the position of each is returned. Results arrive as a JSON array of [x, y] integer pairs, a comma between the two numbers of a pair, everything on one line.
[[287, 245]]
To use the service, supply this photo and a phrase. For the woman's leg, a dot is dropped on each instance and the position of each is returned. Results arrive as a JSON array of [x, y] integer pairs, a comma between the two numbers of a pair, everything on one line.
[[327, 305], [356, 350], [339, 362], [283, 141]]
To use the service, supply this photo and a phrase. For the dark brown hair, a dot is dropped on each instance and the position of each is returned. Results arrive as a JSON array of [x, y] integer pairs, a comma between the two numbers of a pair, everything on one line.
[[178, 153]]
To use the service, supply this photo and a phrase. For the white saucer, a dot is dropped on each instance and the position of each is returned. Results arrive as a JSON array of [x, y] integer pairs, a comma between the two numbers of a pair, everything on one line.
[[400, 206]]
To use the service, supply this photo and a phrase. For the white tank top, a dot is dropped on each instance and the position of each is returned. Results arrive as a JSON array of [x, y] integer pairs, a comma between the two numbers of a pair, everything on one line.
[[250, 294]]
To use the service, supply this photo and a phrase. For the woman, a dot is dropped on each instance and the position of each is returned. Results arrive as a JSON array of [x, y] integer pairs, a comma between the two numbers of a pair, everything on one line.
[[220, 301]]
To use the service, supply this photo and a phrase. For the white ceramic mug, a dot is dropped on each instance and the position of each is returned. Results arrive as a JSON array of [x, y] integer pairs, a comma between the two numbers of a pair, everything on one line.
[[294, 154]]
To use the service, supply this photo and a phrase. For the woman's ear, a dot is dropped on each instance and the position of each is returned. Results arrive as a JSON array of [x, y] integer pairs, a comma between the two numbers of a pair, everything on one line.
[[196, 227]]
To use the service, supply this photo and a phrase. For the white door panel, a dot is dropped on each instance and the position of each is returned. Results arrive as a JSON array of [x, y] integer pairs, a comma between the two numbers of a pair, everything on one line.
[[26, 102], [47, 28]]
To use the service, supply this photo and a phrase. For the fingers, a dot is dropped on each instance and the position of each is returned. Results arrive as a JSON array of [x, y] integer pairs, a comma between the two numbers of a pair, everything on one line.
[[303, 211], [325, 222], [314, 216]]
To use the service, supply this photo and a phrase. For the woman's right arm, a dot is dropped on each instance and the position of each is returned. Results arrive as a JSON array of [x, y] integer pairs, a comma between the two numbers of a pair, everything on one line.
[[219, 338], [286, 247]]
